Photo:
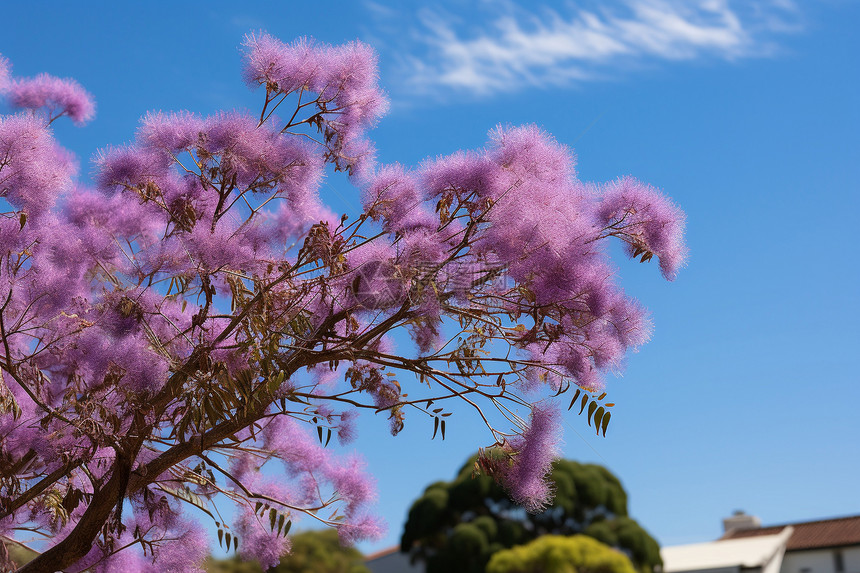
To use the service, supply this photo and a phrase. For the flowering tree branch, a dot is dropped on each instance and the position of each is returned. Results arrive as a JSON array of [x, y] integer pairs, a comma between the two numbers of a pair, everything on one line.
[[170, 332]]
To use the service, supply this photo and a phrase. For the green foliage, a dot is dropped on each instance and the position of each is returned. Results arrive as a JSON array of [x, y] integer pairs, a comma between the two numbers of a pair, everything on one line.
[[311, 552], [459, 525], [625, 532], [597, 411], [559, 554], [234, 565], [17, 554]]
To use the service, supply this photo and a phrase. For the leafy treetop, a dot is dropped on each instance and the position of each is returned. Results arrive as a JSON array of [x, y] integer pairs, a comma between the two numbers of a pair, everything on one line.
[[559, 554], [464, 522]]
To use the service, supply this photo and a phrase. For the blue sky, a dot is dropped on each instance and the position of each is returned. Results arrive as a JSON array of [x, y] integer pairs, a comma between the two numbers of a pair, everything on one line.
[[745, 113]]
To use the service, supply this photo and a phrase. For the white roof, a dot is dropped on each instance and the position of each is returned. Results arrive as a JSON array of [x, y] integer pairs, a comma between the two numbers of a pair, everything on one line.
[[743, 552]]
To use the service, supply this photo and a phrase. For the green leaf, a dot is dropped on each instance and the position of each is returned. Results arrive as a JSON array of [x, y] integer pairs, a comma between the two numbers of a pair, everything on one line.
[[220, 537], [598, 416], [281, 519], [228, 537], [273, 518], [575, 396], [211, 413], [584, 402], [606, 422], [273, 384], [591, 408]]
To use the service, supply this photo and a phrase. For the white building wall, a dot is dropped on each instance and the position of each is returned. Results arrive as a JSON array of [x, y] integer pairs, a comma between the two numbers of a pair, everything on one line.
[[851, 558], [813, 561]]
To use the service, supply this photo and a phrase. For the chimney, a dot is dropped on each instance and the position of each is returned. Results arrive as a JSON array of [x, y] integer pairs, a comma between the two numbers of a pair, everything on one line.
[[740, 520]]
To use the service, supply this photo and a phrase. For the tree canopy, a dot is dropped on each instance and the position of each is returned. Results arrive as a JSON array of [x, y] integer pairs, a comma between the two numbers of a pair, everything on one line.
[[197, 315], [466, 521], [560, 554]]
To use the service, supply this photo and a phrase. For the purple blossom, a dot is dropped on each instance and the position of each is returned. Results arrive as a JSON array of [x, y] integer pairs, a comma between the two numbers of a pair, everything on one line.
[[346, 74], [58, 97], [286, 223], [427, 335], [173, 132], [115, 214], [251, 153], [512, 185], [346, 427], [528, 153], [646, 220], [527, 479], [351, 482], [312, 467], [258, 541], [127, 560], [270, 61], [374, 280], [462, 172], [184, 549], [119, 167], [393, 197], [36, 170], [293, 445], [361, 527], [344, 79]]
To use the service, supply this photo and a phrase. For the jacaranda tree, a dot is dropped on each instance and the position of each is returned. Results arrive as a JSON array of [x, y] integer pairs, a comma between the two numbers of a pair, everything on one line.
[[199, 312]]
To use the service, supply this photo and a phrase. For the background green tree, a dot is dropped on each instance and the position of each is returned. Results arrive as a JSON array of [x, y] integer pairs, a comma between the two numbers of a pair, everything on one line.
[[312, 552], [560, 554], [459, 525]]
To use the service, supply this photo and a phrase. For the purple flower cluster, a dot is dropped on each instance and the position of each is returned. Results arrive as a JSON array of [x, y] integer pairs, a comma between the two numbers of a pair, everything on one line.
[[343, 79], [646, 220], [35, 170], [533, 220], [527, 478], [314, 469], [55, 96], [394, 199]]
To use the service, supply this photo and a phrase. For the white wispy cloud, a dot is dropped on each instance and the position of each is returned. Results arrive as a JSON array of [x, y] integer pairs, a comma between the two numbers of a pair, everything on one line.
[[507, 47]]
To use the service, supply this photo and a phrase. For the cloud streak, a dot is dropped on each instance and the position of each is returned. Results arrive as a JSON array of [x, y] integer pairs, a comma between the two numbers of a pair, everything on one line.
[[516, 48]]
